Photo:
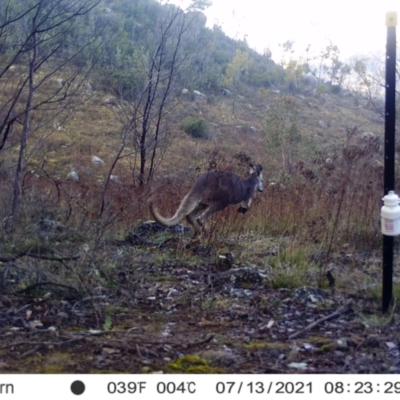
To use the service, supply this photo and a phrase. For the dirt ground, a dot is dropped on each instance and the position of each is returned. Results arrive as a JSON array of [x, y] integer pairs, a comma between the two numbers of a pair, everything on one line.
[[209, 316]]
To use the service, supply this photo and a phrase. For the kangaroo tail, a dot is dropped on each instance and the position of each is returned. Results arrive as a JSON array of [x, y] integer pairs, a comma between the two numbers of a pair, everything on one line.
[[164, 221], [184, 209]]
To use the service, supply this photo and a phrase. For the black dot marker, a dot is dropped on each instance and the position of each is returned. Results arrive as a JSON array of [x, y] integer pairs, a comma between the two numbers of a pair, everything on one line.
[[77, 387]]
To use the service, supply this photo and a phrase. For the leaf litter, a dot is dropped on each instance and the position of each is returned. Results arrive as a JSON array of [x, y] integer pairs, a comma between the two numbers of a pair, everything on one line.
[[227, 316]]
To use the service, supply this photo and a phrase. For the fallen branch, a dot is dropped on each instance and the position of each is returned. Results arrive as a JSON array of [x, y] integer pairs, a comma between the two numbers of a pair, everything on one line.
[[31, 351], [38, 345], [335, 314], [35, 285], [41, 344], [36, 253], [51, 258], [199, 343], [7, 259]]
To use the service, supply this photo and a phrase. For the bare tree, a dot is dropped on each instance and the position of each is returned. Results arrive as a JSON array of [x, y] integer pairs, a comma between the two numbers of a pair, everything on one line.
[[145, 109], [146, 115], [35, 41], [369, 81]]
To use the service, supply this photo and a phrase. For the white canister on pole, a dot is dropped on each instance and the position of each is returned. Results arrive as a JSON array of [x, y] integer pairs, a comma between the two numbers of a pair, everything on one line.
[[390, 214]]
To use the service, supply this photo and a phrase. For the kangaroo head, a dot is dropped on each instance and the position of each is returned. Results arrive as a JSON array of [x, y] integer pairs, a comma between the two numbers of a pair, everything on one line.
[[256, 171]]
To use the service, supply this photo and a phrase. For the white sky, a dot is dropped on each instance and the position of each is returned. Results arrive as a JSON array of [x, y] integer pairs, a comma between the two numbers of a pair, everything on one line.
[[355, 26]]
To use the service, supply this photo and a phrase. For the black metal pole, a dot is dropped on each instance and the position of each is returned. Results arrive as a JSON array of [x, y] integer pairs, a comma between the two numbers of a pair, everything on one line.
[[390, 124]]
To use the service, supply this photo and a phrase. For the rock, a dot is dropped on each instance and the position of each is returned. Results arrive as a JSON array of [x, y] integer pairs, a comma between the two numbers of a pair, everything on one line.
[[199, 96], [323, 124], [57, 125], [226, 92], [369, 136], [251, 130], [115, 179], [111, 102], [153, 226], [310, 80], [73, 175], [185, 93], [87, 88], [97, 160]]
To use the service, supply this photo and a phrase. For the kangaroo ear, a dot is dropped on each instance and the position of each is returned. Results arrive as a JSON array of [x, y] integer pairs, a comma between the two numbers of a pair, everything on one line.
[[259, 168], [252, 169]]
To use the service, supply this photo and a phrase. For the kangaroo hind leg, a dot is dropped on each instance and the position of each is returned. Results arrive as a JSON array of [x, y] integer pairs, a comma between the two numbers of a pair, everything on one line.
[[212, 209], [192, 219]]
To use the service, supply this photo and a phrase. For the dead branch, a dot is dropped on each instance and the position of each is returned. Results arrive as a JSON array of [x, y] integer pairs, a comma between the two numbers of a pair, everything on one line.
[[200, 343], [34, 286], [335, 314], [36, 253]]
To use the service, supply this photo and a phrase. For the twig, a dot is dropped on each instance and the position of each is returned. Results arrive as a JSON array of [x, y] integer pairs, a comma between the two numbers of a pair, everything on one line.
[[31, 351], [199, 343], [7, 259], [88, 299], [4, 278], [49, 258], [43, 344], [28, 253], [27, 289], [138, 351], [335, 314]]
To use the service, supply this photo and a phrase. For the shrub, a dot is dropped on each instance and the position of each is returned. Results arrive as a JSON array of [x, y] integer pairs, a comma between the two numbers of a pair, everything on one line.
[[196, 127], [336, 89], [321, 89]]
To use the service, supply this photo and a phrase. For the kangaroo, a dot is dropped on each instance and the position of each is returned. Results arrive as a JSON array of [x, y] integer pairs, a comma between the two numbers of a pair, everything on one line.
[[212, 192]]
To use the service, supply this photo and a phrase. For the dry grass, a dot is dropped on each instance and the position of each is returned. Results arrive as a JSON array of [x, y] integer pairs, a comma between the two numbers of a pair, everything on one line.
[[319, 205]]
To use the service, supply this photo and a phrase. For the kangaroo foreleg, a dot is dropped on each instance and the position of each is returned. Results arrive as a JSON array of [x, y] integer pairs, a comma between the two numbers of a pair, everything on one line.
[[244, 206]]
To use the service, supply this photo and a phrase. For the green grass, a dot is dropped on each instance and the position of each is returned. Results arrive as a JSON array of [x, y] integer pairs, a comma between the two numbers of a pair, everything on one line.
[[292, 267]]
